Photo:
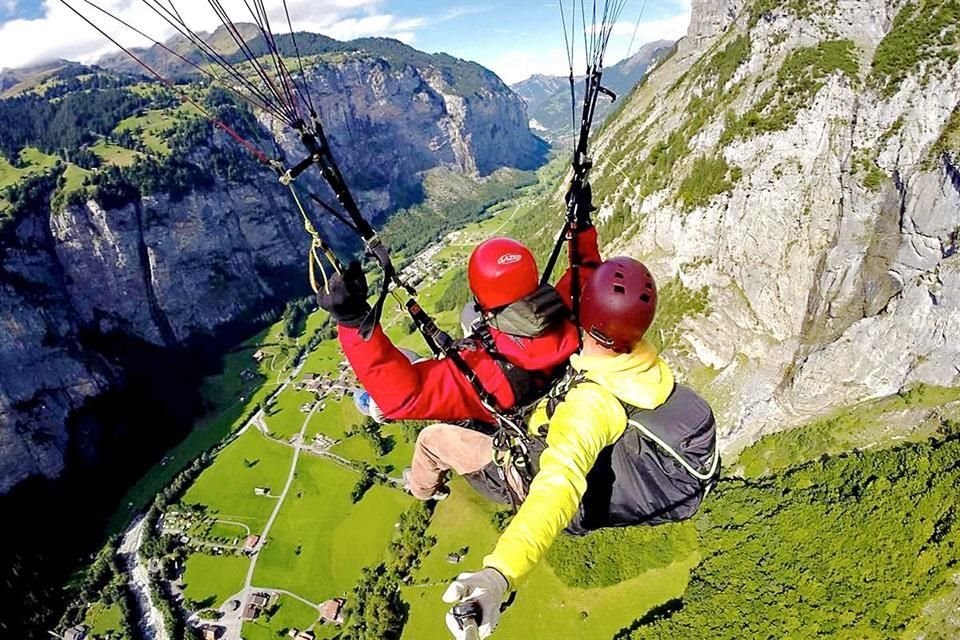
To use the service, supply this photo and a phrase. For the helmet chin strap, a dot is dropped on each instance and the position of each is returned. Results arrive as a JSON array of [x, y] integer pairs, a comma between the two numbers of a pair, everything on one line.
[[595, 343]]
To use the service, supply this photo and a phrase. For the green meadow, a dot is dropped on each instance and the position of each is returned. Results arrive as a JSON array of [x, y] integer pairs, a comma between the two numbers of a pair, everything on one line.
[[227, 486], [211, 580], [321, 540]]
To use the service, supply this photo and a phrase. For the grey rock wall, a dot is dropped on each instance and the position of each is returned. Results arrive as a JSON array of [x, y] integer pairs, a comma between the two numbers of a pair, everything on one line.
[[824, 291]]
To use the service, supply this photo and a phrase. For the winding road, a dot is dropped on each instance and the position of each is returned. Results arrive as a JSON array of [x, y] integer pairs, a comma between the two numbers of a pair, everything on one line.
[[297, 448]]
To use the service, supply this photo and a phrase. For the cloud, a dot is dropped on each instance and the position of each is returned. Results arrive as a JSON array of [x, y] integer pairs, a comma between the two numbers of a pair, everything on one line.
[[515, 65], [8, 7], [60, 33], [670, 28]]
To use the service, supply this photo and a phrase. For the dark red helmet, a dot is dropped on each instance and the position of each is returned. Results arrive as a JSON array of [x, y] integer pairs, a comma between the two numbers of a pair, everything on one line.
[[618, 303], [501, 271]]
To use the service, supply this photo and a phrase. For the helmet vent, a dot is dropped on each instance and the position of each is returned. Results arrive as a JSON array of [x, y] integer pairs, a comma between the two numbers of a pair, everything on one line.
[[619, 288], [618, 275], [645, 297]]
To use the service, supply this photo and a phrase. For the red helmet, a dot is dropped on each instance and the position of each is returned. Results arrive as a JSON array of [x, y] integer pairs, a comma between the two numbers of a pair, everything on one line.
[[501, 271], [618, 303]]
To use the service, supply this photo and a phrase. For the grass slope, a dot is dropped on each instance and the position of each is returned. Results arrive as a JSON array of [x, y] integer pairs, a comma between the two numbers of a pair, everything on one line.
[[290, 614], [545, 606], [320, 541], [32, 161], [211, 580], [869, 424], [227, 486], [104, 620], [853, 546]]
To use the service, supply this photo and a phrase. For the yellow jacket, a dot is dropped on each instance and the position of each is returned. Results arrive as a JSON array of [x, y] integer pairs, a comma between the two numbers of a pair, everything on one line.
[[590, 419]]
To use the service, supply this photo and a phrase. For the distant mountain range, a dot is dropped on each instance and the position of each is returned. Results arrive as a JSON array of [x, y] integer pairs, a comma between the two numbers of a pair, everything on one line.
[[548, 97], [13, 81]]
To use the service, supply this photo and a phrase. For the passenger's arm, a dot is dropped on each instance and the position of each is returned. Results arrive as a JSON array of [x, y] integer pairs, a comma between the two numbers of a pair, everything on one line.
[[587, 421], [432, 389]]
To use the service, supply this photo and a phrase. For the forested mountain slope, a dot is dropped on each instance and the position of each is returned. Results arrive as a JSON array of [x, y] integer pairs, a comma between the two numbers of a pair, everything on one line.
[[799, 164]]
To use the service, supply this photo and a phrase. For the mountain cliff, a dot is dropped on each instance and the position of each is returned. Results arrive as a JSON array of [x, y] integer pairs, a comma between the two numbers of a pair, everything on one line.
[[135, 224], [548, 97], [799, 163]]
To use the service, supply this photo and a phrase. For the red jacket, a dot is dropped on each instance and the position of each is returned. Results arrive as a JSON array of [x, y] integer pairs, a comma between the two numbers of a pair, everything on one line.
[[436, 389]]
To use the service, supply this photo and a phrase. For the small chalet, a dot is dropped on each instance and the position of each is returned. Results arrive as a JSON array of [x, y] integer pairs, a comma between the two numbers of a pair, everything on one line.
[[250, 543], [78, 632], [262, 491], [332, 611], [305, 635], [212, 632], [259, 355], [250, 612], [259, 600], [454, 558]]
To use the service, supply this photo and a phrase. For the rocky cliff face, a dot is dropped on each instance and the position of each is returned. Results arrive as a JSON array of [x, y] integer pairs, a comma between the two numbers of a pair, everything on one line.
[[155, 272], [389, 121], [799, 161], [166, 272]]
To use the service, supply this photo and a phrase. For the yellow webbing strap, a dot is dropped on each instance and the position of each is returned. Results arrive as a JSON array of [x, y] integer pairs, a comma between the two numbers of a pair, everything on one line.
[[317, 248]]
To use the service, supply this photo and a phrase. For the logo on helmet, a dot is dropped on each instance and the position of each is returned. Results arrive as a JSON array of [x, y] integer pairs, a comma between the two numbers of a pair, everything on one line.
[[509, 258]]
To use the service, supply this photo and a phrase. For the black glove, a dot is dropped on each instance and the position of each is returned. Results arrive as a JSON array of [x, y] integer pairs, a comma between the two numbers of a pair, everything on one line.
[[346, 296], [584, 204]]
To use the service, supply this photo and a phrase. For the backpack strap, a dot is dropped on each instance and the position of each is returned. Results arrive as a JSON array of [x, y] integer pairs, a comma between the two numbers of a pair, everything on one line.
[[703, 477], [573, 378]]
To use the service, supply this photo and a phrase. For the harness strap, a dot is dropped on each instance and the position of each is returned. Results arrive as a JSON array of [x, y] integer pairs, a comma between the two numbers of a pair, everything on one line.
[[703, 477]]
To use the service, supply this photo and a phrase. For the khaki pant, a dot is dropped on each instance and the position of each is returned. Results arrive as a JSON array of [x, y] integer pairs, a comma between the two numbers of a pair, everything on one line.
[[444, 447]]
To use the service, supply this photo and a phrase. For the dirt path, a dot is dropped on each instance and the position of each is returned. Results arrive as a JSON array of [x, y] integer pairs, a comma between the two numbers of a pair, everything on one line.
[[283, 496]]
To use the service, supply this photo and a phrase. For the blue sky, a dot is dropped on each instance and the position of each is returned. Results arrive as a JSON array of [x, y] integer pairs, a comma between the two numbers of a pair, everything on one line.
[[515, 38]]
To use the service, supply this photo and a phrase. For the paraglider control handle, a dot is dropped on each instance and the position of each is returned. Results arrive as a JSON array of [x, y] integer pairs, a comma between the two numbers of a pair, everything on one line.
[[293, 173], [468, 614]]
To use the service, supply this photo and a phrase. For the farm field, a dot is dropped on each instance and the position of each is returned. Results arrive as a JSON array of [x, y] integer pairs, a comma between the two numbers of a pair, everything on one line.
[[321, 540], [290, 614], [210, 579], [104, 620], [284, 417], [227, 486]]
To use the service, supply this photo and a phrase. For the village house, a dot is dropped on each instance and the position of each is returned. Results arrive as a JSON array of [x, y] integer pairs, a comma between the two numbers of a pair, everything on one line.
[[78, 632], [255, 605], [296, 634], [259, 355], [262, 491], [251, 542], [212, 632], [321, 441], [332, 611]]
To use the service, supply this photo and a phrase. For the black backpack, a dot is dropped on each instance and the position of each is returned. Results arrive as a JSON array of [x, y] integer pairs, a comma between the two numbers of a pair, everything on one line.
[[659, 470]]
